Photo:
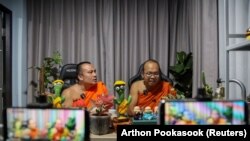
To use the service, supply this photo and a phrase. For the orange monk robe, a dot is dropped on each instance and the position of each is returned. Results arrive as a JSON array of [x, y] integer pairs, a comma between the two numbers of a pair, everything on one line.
[[34, 133], [94, 92], [219, 121], [153, 97]]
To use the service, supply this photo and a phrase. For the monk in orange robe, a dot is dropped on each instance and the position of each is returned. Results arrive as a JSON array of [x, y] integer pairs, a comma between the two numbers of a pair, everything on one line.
[[33, 130], [216, 119], [151, 89], [87, 88]]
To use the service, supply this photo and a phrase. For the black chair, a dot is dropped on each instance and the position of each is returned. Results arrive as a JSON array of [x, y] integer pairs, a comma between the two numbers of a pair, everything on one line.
[[69, 75], [138, 77]]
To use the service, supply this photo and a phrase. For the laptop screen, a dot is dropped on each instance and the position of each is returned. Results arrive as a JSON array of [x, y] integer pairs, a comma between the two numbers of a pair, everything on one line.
[[205, 113], [46, 124]]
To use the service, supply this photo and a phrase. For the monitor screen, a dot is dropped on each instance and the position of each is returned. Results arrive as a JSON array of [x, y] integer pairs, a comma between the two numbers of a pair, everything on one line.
[[205, 113], [46, 124]]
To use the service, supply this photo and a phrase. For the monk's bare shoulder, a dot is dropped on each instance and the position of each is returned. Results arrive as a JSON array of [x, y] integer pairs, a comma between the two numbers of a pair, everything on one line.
[[137, 83], [138, 86], [69, 91]]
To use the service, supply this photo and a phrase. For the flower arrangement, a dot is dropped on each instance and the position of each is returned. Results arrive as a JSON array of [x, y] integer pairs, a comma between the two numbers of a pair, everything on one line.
[[99, 117], [102, 105]]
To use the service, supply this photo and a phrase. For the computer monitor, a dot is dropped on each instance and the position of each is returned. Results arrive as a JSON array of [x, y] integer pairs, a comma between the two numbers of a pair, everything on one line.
[[46, 124], [232, 112]]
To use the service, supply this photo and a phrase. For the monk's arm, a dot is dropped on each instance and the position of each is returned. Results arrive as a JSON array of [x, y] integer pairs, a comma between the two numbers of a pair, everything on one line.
[[68, 99], [134, 99]]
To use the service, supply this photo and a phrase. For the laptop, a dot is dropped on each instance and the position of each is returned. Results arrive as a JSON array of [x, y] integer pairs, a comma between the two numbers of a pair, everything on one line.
[[38, 124]]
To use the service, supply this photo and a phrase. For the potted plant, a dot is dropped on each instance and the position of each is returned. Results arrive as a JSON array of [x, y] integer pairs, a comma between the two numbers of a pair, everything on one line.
[[206, 92], [48, 72], [182, 72], [100, 119]]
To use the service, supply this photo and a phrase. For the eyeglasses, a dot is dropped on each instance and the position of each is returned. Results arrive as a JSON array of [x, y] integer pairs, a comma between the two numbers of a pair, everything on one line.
[[152, 74]]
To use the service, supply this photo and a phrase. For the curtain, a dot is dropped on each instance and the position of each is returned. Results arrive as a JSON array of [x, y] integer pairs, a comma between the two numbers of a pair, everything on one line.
[[204, 40], [118, 35]]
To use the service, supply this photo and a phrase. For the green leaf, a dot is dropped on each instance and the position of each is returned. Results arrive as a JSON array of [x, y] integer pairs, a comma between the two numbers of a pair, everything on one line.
[[182, 72], [179, 68], [189, 60], [50, 99], [181, 57], [204, 78]]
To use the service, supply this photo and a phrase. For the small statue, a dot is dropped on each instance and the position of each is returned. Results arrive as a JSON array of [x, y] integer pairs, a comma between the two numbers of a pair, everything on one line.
[[71, 123], [17, 128], [248, 34], [248, 98], [58, 130], [220, 91], [121, 101], [33, 130], [56, 98], [148, 114], [138, 113]]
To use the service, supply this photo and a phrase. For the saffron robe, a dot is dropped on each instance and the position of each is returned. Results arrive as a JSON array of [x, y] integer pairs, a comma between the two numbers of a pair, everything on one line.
[[152, 98], [91, 94]]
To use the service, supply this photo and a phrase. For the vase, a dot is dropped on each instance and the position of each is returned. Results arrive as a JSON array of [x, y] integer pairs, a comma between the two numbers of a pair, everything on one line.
[[100, 125], [41, 102]]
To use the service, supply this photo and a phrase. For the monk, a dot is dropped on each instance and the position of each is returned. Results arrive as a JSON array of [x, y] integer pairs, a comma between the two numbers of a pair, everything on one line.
[[150, 90], [216, 119], [87, 88]]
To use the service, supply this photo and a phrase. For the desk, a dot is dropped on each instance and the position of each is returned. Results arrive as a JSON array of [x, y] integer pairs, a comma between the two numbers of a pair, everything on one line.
[[107, 137]]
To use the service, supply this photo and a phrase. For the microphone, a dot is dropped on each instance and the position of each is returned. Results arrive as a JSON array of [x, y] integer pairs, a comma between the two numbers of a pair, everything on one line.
[[82, 95]]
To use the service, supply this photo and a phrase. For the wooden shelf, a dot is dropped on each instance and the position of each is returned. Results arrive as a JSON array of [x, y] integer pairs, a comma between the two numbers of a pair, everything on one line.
[[240, 46]]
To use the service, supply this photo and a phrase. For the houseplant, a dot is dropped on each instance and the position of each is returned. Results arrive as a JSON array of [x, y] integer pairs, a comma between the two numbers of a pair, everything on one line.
[[100, 119], [48, 72], [207, 88], [182, 72]]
